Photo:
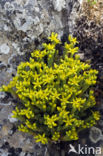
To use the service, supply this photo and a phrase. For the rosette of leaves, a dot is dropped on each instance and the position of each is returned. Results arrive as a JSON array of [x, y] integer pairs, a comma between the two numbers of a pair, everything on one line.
[[56, 93]]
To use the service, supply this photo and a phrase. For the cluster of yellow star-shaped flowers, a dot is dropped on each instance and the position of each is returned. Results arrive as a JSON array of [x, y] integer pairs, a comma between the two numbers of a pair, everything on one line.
[[55, 92]]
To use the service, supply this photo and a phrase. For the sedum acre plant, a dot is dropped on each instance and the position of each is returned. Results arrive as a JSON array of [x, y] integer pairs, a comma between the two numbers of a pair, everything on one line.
[[55, 92]]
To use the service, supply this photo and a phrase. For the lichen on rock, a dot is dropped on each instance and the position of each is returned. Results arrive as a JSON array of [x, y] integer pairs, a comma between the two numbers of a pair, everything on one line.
[[24, 24]]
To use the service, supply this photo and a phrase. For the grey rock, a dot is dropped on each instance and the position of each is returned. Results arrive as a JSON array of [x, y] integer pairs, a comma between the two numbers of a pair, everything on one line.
[[5, 130], [4, 49], [2, 95], [81, 55], [101, 75], [22, 22], [1, 150], [27, 24], [2, 66], [11, 119], [22, 154], [0, 127], [36, 20], [5, 104], [101, 123], [10, 132], [28, 154], [95, 134], [59, 4], [5, 154], [9, 6], [81, 1]]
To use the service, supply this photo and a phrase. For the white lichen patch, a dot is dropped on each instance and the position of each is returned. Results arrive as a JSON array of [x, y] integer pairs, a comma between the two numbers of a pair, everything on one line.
[[9, 6], [29, 21], [81, 1], [95, 134], [59, 5], [4, 49], [36, 20], [22, 2]]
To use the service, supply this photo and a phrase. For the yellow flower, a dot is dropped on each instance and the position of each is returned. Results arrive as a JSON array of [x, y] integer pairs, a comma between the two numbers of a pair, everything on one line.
[[54, 93], [35, 53], [50, 121], [72, 39], [37, 83], [56, 136], [78, 103], [54, 38], [39, 54], [73, 51], [23, 128], [72, 135], [49, 46], [67, 46], [63, 114], [41, 138], [96, 115]]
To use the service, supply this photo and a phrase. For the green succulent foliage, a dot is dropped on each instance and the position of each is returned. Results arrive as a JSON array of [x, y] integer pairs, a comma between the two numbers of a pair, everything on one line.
[[92, 2], [56, 93]]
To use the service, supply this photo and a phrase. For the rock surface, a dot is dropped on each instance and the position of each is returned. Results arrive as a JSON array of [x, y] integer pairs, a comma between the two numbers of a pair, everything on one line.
[[95, 134], [23, 25], [89, 32]]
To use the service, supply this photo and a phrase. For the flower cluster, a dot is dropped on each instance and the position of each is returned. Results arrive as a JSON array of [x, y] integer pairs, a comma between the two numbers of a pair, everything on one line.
[[56, 93]]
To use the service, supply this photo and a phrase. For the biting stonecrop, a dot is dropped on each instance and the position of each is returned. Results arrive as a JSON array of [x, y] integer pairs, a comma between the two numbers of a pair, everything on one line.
[[55, 93]]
